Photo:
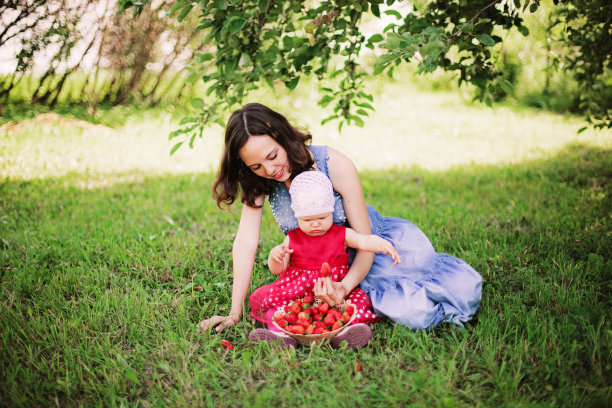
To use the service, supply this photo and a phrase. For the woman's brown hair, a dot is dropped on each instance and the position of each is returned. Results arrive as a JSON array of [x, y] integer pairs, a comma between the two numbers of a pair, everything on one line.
[[233, 175]]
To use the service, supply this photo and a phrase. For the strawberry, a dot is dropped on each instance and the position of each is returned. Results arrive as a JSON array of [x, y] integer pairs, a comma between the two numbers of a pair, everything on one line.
[[323, 308], [308, 311], [350, 309], [303, 323], [325, 270], [316, 317], [310, 329], [227, 345], [357, 366], [308, 299], [318, 330], [338, 324], [282, 323], [329, 320], [326, 331], [291, 318], [279, 315], [319, 323], [346, 317], [337, 315], [297, 329], [303, 316], [296, 307]]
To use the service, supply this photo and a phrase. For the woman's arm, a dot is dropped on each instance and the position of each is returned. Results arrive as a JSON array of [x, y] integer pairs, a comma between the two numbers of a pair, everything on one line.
[[243, 254], [345, 179], [279, 257]]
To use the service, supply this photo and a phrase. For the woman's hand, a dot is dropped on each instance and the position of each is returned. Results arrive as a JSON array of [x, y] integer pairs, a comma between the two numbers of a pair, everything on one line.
[[221, 322], [329, 291]]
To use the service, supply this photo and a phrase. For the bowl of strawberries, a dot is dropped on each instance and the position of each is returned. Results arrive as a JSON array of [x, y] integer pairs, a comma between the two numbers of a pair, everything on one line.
[[310, 320]]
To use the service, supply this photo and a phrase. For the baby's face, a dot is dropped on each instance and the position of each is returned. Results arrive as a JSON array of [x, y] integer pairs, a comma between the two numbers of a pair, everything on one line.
[[316, 225]]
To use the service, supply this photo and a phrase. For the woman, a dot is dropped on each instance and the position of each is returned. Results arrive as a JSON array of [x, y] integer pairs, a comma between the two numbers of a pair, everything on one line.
[[262, 154]]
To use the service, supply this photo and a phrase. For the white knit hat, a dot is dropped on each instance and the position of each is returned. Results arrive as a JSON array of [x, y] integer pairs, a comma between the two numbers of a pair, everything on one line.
[[311, 194]]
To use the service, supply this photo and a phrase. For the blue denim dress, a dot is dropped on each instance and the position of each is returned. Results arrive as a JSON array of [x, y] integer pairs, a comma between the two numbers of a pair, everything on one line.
[[427, 288]]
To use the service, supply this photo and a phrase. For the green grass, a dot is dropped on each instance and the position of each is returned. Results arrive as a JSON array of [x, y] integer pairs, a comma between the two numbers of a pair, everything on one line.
[[111, 252]]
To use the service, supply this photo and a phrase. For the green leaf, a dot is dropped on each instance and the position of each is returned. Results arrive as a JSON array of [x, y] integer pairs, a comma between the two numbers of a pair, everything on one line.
[[329, 118], [184, 12], [506, 86], [375, 10], [221, 4], [376, 38], [485, 39], [236, 25], [175, 147], [245, 60], [291, 84], [131, 375], [203, 57], [358, 120], [393, 13], [197, 103], [325, 100], [385, 59]]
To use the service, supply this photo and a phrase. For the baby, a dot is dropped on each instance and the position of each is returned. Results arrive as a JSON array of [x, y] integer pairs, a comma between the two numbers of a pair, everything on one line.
[[299, 258]]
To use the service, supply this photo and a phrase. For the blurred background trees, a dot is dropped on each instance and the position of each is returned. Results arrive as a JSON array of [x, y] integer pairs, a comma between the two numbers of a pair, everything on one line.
[[549, 54], [83, 51]]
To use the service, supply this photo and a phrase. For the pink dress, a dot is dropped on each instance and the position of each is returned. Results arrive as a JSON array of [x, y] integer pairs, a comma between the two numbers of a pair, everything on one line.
[[303, 271]]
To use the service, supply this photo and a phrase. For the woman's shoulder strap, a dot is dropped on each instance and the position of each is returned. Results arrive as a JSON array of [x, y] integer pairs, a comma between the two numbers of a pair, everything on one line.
[[321, 157]]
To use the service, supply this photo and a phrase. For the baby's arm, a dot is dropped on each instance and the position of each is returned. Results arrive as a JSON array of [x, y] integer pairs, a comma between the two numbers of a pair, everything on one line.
[[371, 243], [279, 257]]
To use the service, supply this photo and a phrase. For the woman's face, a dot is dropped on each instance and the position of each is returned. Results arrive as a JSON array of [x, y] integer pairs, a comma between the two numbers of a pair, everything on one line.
[[266, 158]]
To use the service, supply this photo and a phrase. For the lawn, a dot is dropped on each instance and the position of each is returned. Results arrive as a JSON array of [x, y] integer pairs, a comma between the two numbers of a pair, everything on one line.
[[111, 251]]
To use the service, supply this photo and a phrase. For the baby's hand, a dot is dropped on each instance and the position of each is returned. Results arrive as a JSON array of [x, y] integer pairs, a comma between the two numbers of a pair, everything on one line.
[[280, 252], [385, 247]]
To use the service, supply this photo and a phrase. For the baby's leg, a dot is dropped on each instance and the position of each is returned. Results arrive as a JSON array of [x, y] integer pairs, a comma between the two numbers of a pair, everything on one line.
[[364, 311]]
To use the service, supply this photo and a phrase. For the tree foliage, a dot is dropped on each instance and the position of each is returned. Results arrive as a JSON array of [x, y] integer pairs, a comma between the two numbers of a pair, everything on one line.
[[263, 41]]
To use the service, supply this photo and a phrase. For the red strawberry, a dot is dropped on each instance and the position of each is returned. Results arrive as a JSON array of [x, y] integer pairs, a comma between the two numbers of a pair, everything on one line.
[[308, 299], [337, 314], [346, 317], [323, 308], [226, 345], [310, 329], [326, 331], [350, 309], [279, 315], [325, 270], [296, 307], [303, 323], [316, 317], [337, 325], [329, 320], [282, 323], [318, 330], [303, 316], [297, 329], [357, 366], [319, 324], [308, 311], [291, 318]]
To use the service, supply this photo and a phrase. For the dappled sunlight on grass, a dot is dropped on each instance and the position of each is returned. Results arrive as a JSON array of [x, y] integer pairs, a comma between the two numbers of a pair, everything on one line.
[[433, 131]]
